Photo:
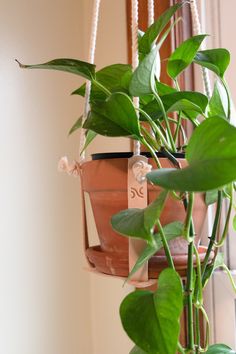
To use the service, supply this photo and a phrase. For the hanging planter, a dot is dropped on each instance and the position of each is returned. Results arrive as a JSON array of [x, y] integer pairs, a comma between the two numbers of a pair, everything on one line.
[[160, 210], [104, 179], [112, 113]]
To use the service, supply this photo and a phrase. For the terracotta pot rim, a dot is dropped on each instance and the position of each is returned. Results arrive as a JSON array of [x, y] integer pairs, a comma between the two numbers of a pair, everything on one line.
[[119, 155]]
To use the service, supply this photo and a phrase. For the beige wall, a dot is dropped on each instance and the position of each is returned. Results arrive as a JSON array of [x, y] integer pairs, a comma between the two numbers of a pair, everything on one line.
[[48, 303]]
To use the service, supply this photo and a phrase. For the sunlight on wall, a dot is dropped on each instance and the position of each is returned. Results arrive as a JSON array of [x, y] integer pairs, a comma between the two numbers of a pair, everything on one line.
[[45, 298]]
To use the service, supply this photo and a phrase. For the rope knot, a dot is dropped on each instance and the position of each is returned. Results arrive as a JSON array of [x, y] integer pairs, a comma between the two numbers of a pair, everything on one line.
[[72, 169], [140, 169]]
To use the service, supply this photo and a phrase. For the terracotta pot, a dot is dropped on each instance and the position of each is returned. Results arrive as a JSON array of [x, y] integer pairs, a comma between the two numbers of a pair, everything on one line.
[[105, 180]]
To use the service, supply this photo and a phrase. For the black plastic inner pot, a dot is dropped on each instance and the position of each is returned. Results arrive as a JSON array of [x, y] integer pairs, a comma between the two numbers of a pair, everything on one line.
[[119, 155]]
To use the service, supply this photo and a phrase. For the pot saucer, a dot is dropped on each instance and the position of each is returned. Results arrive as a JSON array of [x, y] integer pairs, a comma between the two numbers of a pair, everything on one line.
[[117, 264]]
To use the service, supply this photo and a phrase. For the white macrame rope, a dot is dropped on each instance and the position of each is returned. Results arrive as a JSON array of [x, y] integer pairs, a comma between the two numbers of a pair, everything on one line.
[[135, 61], [92, 47], [197, 30], [150, 12]]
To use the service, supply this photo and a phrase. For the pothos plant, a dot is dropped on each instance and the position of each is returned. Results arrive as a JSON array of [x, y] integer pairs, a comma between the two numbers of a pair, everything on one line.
[[152, 319]]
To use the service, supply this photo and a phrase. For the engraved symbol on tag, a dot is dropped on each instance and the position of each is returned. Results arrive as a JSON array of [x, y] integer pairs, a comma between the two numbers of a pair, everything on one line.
[[137, 192]]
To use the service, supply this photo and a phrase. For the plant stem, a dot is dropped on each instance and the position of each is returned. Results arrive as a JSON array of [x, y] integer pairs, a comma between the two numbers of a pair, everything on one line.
[[198, 300], [150, 139], [214, 232], [159, 101], [198, 288], [155, 128], [197, 330], [207, 329], [181, 349], [101, 87], [226, 269], [188, 233], [179, 115], [225, 231], [171, 157], [166, 246], [189, 290], [178, 127], [152, 151]]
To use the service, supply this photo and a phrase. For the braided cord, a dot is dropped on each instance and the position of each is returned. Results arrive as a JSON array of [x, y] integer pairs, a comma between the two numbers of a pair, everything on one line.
[[135, 60], [197, 30], [92, 48], [150, 12]]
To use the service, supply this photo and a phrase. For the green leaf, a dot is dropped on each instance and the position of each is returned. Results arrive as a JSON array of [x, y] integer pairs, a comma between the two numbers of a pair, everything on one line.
[[77, 125], [120, 109], [143, 77], [211, 154], [171, 231], [184, 55], [114, 77], [196, 98], [186, 101], [151, 320], [137, 350], [218, 262], [163, 89], [139, 223], [220, 349], [218, 105], [90, 136], [234, 222], [216, 60], [211, 196], [114, 117], [72, 66], [150, 36], [100, 124], [184, 105]]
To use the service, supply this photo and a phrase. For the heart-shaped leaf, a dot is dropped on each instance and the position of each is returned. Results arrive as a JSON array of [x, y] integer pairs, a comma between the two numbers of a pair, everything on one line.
[[220, 349], [171, 231], [218, 105], [152, 33], [216, 60], [184, 55], [114, 77], [196, 98], [114, 117], [139, 223], [120, 109], [143, 77], [99, 123], [72, 66], [186, 101], [151, 320], [211, 154], [185, 106]]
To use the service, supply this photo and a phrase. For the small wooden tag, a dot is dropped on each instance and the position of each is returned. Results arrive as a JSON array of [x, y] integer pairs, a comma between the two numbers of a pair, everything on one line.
[[137, 198]]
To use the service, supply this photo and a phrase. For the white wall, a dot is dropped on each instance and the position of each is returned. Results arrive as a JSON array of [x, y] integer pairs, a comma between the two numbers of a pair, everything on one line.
[[48, 303]]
